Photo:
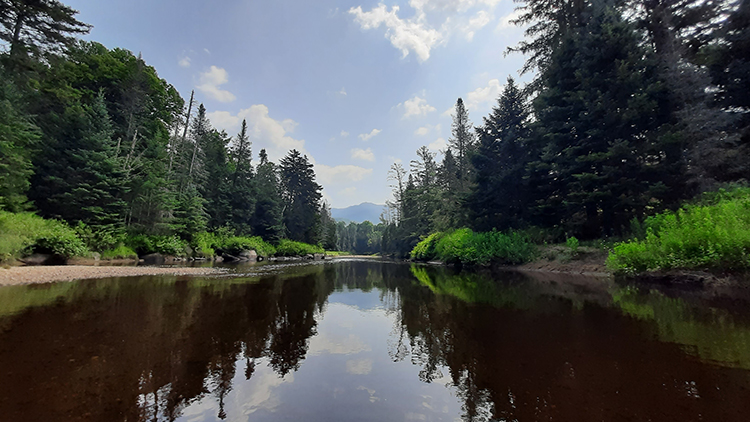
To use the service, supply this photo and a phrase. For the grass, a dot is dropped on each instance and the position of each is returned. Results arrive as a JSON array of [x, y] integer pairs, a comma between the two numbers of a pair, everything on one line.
[[25, 233], [337, 253], [120, 252], [713, 234], [288, 247], [468, 247]]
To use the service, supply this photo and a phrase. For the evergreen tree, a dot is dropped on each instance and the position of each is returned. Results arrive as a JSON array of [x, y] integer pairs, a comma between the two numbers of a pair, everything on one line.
[[498, 199], [243, 187], [267, 221], [38, 25], [18, 137], [78, 177], [301, 195], [462, 144], [603, 160]]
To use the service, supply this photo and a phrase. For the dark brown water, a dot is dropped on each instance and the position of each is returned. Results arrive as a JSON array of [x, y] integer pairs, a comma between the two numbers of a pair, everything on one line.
[[371, 341]]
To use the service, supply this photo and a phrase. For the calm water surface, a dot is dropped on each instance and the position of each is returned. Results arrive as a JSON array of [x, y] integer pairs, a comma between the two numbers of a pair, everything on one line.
[[372, 341]]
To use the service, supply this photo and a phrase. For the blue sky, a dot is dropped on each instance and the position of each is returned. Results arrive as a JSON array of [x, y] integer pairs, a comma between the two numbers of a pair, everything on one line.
[[356, 85]]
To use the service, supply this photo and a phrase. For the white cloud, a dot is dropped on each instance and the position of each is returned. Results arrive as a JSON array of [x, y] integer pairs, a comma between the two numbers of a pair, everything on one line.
[[348, 191], [425, 130], [328, 175], [416, 107], [439, 145], [368, 136], [505, 21], [479, 21], [210, 82], [263, 130], [482, 96], [363, 154], [184, 62], [415, 34], [407, 35], [327, 344], [342, 92], [344, 134]]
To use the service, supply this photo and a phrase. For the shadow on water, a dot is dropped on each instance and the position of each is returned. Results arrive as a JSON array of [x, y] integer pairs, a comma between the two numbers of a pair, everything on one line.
[[372, 341]]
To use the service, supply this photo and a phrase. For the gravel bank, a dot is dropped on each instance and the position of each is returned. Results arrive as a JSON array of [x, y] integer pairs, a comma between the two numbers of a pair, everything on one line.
[[46, 274]]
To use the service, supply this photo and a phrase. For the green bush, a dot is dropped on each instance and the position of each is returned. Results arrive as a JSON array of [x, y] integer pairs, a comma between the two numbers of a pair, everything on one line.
[[120, 252], [24, 233], [572, 243], [100, 238], [468, 247], [234, 245], [204, 244], [165, 245], [715, 234], [288, 247], [425, 249]]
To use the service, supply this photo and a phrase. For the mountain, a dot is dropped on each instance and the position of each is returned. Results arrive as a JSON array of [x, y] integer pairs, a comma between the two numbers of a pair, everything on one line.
[[365, 211]]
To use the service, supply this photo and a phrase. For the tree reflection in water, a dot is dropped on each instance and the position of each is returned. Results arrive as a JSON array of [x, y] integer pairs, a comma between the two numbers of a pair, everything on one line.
[[508, 346]]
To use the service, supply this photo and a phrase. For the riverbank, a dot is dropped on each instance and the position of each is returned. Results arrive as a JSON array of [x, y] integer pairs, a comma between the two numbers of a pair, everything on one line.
[[56, 273]]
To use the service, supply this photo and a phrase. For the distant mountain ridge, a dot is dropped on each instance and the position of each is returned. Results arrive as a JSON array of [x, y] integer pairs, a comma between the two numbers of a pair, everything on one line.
[[366, 211]]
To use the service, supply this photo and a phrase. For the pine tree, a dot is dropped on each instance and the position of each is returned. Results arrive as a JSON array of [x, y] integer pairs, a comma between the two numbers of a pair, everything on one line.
[[18, 137], [603, 160], [301, 195], [462, 144], [267, 221], [78, 176], [38, 25], [498, 196], [243, 185]]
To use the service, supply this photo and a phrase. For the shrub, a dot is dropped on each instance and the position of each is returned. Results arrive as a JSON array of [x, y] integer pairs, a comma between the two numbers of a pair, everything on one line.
[[572, 243], [100, 238], [234, 245], [288, 247], [468, 247], [166, 245], [24, 233], [120, 252], [425, 249], [713, 236]]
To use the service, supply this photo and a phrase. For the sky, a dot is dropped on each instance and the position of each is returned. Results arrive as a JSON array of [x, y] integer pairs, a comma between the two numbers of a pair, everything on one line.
[[356, 85]]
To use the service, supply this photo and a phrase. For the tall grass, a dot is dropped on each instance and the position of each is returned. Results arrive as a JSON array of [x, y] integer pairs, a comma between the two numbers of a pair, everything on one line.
[[713, 234], [24, 233], [468, 247], [291, 248]]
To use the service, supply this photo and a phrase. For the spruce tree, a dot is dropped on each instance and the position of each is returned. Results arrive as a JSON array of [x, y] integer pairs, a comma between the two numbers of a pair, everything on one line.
[[498, 199], [78, 177], [242, 199], [267, 221], [603, 160], [301, 195]]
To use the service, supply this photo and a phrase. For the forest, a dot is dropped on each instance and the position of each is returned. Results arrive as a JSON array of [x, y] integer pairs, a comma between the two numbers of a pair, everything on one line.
[[635, 115], [114, 160], [636, 109]]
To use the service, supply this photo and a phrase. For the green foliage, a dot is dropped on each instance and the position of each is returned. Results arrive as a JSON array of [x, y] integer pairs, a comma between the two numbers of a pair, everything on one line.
[[120, 252], [291, 248], [467, 247], [165, 245], [425, 249], [24, 233], [234, 245], [572, 243], [100, 238], [695, 237]]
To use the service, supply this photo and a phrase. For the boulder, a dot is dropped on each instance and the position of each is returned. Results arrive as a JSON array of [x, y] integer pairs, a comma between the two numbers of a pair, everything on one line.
[[153, 259], [319, 256], [248, 256], [43, 259]]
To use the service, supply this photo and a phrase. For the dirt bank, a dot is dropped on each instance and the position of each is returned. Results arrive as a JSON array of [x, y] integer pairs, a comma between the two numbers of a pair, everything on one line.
[[46, 274], [560, 259]]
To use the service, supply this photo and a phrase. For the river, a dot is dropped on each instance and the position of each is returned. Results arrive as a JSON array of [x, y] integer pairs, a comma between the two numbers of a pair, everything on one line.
[[364, 340]]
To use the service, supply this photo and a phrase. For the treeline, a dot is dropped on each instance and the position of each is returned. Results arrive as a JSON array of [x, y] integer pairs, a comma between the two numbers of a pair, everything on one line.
[[94, 137], [636, 106]]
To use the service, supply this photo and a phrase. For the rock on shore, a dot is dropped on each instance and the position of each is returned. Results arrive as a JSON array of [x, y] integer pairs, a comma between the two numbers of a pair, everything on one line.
[[46, 274]]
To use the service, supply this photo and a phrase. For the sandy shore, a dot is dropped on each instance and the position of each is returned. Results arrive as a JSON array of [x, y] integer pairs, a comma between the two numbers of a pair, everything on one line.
[[46, 274]]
